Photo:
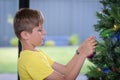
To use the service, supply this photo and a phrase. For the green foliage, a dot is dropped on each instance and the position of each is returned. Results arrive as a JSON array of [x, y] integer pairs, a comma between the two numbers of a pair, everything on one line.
[[94, 71], [74, 39], [107, 58], [14, 41], [50, 43]]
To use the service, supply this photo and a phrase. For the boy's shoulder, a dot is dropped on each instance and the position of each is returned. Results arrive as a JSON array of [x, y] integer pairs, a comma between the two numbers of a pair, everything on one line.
[[30, 52]]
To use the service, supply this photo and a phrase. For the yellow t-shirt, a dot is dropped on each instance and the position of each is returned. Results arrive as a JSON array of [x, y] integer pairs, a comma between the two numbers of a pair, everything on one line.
[[34, 65]]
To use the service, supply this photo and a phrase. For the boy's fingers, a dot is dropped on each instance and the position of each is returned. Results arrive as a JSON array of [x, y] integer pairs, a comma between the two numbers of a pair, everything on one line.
[[94, 43], [91, 38]]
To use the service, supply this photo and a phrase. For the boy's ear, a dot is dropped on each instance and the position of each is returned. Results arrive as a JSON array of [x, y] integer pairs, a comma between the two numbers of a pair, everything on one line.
[[25, 35]]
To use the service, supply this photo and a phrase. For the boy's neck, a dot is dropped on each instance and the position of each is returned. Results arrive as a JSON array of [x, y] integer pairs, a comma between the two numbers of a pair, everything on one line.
[[26, 46]]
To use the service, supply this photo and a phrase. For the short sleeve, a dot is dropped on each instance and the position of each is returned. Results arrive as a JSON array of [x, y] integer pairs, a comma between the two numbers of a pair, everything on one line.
[[50, 60], [38, 67]]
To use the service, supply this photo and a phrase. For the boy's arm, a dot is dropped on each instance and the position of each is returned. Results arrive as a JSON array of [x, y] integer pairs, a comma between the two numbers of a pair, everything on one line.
[[72, 69], [63, 69], [63, 73]]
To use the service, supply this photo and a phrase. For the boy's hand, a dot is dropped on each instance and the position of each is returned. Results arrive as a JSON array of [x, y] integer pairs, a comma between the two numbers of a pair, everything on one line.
[[87, 48]]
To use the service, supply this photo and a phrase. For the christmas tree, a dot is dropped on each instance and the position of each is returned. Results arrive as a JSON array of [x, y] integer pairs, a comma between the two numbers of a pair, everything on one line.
[[107, 57]]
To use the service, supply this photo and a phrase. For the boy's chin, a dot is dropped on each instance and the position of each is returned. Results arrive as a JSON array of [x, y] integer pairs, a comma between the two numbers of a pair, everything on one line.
[[41, 44]]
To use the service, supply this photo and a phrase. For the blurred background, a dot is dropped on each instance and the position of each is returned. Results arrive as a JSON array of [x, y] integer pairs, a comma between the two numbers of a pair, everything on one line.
[[67, 23]]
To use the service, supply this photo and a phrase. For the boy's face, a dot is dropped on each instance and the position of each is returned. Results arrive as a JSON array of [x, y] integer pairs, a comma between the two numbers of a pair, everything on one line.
[[37, 35]]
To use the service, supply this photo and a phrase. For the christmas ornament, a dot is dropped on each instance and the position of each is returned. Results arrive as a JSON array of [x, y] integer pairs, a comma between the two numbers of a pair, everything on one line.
[[106, 70], [98, 69], [105, 66], [107, 35], [117, 36], [113, 69], [115, 28], [91, 56]]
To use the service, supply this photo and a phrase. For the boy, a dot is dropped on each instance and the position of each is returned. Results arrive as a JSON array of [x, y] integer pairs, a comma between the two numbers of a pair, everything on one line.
[[34, 64]]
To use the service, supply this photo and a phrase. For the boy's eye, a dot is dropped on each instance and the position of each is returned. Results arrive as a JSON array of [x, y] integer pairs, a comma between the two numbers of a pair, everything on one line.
[[40, 30]]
